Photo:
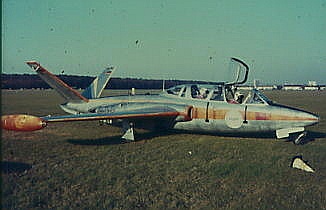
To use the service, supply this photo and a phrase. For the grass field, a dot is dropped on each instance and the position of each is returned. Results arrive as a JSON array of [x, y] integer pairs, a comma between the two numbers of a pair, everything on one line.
[[85, 166]]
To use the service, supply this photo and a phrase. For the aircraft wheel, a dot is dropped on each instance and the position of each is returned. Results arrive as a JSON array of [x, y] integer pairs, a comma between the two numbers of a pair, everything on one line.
[[299, 139]]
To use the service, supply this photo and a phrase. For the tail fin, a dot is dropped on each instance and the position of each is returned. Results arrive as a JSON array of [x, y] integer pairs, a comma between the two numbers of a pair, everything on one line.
[[98, 84], [53, 81]]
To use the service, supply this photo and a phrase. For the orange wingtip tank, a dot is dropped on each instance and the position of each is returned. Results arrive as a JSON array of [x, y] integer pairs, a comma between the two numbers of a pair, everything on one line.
[[22, 122]]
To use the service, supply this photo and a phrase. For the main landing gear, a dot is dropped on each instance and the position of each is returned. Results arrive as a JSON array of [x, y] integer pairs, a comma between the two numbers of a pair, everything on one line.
[[128, 129]]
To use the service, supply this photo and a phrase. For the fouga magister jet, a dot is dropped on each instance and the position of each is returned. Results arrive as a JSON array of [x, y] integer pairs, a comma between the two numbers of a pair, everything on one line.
[[218, 108]]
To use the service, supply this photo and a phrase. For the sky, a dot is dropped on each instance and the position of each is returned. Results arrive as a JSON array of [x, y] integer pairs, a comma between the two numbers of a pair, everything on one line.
[[280, 40]]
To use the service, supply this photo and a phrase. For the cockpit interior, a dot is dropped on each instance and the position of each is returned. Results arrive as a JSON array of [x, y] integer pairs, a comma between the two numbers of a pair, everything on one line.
[[221, 92]]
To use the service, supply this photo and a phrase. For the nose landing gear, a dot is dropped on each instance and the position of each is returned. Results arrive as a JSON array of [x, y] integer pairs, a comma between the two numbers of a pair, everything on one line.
[[300, 138]]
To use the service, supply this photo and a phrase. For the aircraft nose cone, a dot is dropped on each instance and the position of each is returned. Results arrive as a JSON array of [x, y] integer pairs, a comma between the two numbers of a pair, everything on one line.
[[315, 118], [312, 119], [298, 117]]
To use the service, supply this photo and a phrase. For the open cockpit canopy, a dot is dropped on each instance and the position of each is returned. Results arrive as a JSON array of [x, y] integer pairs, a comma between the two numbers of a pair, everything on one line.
[[227, 92], [239, 71]]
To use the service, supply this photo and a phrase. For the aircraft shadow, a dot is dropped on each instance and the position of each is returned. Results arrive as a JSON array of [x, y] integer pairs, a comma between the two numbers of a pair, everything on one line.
[[312, 136], [248, 135], [112, 140], [141, 137], [115, 140], [316, 135], [8, 167]]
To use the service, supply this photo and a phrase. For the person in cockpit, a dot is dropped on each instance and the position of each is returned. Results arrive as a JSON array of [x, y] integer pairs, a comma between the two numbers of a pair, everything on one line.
[[203, 93], [238, 97], [194, 91]]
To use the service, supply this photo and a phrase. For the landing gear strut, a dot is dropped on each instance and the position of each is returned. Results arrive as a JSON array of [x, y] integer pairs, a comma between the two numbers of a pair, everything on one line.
[[300, 138], [128, 129]]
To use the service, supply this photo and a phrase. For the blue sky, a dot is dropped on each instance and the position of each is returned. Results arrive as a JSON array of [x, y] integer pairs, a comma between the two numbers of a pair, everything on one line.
[[280, 40]]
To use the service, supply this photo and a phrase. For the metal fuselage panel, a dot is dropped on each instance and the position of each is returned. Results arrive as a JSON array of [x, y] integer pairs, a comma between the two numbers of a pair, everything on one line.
[[241, 118], [211, 116]]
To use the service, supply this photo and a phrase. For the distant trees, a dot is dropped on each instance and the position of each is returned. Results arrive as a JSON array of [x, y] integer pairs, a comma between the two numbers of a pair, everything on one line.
[[18, 81], [28, 81]]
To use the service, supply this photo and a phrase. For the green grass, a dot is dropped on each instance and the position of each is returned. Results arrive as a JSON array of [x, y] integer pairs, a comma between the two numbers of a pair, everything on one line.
[[85, 166]]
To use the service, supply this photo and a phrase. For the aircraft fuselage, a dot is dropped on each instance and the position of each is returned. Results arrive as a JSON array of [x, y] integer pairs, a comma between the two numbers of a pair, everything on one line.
[[206, 115]]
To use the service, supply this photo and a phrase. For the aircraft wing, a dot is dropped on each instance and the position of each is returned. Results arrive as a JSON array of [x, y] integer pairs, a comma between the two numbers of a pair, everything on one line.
[[130, 114], [30, 123]]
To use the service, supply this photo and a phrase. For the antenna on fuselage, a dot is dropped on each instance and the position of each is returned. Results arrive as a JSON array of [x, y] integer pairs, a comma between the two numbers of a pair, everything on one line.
[[163, 85], [256, 83]]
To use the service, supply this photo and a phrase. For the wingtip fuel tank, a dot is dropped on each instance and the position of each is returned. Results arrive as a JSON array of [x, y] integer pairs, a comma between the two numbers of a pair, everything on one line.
[[21, 122]]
